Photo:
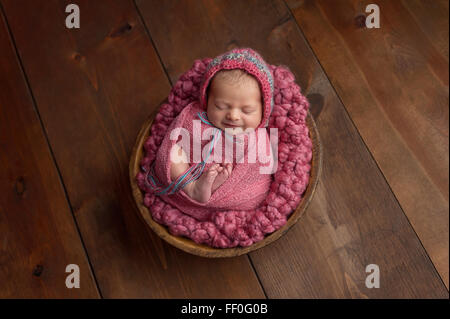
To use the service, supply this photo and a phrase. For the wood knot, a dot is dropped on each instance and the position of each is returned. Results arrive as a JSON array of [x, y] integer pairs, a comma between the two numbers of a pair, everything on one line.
[[121, 30], [20, 186], [77, 57], [360, 21], [37, 271]]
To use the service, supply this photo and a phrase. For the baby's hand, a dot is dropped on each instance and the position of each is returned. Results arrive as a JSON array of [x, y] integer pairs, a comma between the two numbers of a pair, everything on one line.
[[224, 171]]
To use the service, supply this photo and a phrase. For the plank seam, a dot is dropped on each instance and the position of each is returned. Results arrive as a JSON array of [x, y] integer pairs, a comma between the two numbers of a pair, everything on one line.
[[152, 42], [257, 276]]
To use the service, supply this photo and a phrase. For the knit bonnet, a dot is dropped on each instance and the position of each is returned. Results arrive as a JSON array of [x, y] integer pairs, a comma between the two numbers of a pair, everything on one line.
[[251, 62]]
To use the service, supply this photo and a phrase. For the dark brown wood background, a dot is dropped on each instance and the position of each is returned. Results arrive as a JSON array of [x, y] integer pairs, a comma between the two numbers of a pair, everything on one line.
[[73, 100]]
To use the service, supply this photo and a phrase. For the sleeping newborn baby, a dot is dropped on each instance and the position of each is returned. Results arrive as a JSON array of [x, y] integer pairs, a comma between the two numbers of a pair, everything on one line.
[[228, 124], [234, 105]]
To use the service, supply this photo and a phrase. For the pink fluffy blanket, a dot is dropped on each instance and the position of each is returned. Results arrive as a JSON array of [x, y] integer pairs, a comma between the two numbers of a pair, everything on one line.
[[233, 226]]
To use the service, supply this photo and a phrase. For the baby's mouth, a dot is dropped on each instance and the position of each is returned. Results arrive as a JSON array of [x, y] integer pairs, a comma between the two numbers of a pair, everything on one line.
[[230, 125]]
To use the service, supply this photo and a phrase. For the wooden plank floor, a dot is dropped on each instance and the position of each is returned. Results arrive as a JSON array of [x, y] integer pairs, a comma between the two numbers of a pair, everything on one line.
[[38, 234], [379, 98], [394, 80]]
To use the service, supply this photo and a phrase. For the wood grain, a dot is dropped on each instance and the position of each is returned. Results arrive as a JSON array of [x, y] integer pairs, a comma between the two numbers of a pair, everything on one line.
[[432, 18], [393, 82], [94, 87], [38, 236], [354, 219]]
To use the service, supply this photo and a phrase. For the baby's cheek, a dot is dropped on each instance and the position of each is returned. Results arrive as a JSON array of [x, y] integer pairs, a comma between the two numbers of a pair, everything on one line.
[[209, 113], [214, 117], [256, 119]]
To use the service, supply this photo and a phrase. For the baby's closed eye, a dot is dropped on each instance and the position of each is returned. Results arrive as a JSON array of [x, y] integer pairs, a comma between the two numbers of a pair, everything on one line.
[[248, 110]]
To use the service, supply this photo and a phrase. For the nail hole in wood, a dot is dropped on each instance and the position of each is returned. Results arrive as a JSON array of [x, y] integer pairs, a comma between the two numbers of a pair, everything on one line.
[[20, 186], [37, 271]]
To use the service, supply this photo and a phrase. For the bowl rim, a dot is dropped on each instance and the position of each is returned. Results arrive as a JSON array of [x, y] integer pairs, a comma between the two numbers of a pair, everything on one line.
[[187, 244]]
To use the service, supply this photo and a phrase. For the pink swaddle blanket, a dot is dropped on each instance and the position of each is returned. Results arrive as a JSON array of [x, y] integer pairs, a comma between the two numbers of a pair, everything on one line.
[[250, 179]]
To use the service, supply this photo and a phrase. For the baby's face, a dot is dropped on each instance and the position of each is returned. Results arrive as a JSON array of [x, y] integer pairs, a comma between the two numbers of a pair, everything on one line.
[[233, 105]]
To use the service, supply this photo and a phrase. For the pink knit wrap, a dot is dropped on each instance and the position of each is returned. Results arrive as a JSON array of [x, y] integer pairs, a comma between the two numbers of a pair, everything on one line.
[[234, 226], [245, 189]]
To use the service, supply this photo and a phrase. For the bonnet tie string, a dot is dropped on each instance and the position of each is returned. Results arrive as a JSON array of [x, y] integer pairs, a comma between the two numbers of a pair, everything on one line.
[[190, 175]]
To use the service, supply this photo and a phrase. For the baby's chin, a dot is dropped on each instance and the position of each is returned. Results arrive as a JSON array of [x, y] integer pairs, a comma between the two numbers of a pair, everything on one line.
[[232, 130], [236, 130]]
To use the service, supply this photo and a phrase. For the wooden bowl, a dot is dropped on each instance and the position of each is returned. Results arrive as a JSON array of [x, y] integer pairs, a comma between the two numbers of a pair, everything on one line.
[[189, 245]]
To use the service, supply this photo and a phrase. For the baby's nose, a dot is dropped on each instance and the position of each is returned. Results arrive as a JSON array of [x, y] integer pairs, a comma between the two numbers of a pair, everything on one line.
[[233, 115]]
